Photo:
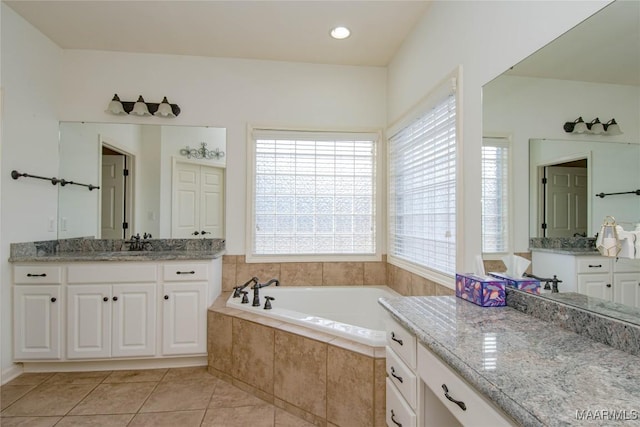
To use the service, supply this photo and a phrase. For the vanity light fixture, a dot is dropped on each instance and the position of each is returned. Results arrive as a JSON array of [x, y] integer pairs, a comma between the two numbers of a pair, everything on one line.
[[594, 127], [202, 153], [142, 108], [340, 33]]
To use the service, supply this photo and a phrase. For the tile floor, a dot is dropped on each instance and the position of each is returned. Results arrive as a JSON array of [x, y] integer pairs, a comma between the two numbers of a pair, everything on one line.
[[181, 397]]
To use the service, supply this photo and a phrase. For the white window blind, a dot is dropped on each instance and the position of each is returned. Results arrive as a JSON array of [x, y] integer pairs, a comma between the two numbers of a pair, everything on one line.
[[495, 195], [314, 193], [422, 189]]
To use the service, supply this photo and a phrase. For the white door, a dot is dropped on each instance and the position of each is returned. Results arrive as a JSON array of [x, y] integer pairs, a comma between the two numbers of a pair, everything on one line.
[[626, 289], [198, 201], [596, 285], [566, 201], [112, 191], [184, 315], [37, 322], [89, 321], [134, 327]]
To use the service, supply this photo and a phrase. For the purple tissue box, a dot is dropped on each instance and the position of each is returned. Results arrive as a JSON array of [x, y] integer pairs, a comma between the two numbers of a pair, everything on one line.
[[526, 284], [486, 291]]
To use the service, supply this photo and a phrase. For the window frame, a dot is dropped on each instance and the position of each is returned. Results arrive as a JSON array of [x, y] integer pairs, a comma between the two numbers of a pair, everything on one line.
[[251, 257], [451, 83], [508, 138]]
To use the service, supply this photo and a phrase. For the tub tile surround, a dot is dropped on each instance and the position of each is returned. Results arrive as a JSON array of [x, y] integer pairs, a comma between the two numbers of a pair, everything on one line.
[[539, 373], [315, 376]]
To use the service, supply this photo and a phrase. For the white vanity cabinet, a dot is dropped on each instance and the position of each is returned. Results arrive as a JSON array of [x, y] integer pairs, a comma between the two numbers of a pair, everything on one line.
[[91, 311], [415, 392], [37, 305], [611, 279]]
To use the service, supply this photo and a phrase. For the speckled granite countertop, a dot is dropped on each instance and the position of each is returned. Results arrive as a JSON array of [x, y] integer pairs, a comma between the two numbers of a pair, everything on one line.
[[121, 256], [538, 373], [568, 251]]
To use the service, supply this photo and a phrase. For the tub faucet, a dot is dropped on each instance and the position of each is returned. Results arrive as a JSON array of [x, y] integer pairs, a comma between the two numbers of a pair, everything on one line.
[[237, 290], [256, 288]]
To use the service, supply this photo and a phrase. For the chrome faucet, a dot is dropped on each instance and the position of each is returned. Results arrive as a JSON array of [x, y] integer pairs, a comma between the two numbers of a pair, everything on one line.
[[256, 288]]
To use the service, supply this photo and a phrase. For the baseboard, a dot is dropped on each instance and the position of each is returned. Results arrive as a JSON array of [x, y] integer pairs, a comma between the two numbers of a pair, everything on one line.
[[113, 365], [11, 372]]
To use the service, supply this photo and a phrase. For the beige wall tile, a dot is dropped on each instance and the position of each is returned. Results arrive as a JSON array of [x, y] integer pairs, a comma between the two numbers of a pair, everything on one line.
[[342, 273], [402, 280], [253, 354], [229, 280], [257, 393], [219, 341], [301, 273], [349, 388], [294, 416], [263, 271], [229, 259], [443, 290], [300, 372], [375, 273], [421, 286], [494, 265], [379, 392]]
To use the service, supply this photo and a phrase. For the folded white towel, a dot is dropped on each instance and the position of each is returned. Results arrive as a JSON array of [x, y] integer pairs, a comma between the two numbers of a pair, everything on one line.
[[627, 241], [637, 244]]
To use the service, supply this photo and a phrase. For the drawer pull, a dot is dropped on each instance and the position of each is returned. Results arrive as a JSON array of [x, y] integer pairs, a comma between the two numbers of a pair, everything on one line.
[[37, 275], [394, 419], [393, 337], [457, 402], [595, 266], [393, 374], [186, 272]]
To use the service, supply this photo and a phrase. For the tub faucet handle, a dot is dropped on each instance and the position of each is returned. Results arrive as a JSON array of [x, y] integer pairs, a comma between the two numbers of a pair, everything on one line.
[[245, 298], [267, 303]]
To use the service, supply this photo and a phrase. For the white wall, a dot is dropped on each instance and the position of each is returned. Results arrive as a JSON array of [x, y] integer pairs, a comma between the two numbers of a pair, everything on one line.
[[31, 67], [528, 108], [485, 38]]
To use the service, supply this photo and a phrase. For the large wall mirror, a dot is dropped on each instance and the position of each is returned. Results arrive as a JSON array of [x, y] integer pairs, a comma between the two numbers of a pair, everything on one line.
[[592, 71], [153, 179]]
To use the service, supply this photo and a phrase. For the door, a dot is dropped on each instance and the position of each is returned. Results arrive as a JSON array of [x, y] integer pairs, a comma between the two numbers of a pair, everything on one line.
[[596, 285], [198, 201], [37, 322], [112, 190], [184, 318], [88, 321], [133, 329], [566, 201], [626, 289]]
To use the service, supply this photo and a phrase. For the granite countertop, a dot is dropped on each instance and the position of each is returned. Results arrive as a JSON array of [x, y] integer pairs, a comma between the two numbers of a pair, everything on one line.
[[536, 372], [568, 251], [121, 256]]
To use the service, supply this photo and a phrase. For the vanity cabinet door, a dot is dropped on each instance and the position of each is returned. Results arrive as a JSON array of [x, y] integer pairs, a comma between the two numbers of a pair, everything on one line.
[[184, 318], [134, 320], [626, 287], [596, 285], [37, 322], [89, 321]]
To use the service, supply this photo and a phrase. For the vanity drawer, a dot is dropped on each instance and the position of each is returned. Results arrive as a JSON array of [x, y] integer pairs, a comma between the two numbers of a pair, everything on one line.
[[402, 342], [593, 265], [185, 272], [479, 411], [112, 273], [404, 379], [398, 412], [37, 274], [626, 265]]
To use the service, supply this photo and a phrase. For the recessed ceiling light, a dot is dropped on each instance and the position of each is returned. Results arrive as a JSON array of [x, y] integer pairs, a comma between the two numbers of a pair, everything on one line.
[[340, 33]]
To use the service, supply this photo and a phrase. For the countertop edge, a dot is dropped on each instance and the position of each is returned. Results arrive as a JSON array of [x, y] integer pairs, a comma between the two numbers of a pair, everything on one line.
[[489, 391], [124, 256]]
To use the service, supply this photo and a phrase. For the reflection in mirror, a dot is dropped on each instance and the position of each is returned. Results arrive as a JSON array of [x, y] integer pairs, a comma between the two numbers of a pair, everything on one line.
[[592, 71], [147, 186]]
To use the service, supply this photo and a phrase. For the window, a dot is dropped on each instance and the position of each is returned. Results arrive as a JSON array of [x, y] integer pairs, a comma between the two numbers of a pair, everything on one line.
[[314, 193], [495, 195], [422, 187]]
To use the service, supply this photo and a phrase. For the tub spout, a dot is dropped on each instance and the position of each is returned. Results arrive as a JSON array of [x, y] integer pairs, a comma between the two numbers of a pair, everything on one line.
[[237, 290], [256, 289]]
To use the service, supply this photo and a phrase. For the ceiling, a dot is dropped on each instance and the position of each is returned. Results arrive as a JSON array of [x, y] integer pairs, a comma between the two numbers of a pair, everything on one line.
[[602, 49], [271, 30]]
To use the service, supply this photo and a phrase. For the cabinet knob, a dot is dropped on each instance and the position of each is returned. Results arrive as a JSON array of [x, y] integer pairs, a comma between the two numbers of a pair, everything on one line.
[[608, 285], [195, 233], [105, 299], [54, 299], [166, 297], [115, 298]]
